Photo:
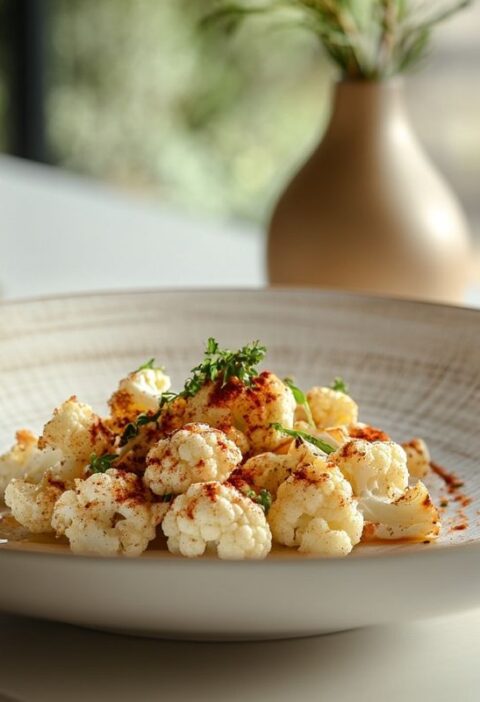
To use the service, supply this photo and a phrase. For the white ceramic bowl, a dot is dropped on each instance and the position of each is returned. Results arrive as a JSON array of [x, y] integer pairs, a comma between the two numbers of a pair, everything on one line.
[[414, 369]]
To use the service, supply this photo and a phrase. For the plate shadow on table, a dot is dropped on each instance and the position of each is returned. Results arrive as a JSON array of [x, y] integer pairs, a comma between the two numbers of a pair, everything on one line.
[[65, 662]]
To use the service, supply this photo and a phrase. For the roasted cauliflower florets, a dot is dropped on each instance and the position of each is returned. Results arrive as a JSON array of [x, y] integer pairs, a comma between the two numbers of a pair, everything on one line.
[[26, 460], [194, 454], [334, 436], [267, 401], [108, 514], [139, 392], [77, 432], [367, 432], [32, 504], [331, 408], [216, 517], [267, 471], [411, 516], [376, 468], [213, 403], [418, 457], [251, 409], [315, 511]]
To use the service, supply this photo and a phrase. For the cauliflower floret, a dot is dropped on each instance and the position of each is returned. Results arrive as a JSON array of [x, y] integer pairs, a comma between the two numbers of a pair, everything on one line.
[[411, 516], [373, 468], [139, 392], [267, 471], [249, 409], [268, 400], [238, 438], [26, 460], [216, 516], [315, 511], [331, 408], [334, 436], [32, 505], [77, 432], [367, 432], [195, 454], [418, 457], [108, 514], [213, 403]]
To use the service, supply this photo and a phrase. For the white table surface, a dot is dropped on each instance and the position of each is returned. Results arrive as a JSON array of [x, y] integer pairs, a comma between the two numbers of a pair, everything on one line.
[[60, 234]]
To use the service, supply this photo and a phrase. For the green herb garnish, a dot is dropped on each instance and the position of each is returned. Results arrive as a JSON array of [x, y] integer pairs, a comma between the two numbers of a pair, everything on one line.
[[224, 364], [339, 385], [263, 498], [218, 363], [297, 434], [100, 464], [150, 364], [300, 399], [132, 429]]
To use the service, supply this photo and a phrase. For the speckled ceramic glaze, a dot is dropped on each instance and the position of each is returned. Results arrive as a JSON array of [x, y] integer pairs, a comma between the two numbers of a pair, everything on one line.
[[414, 370]]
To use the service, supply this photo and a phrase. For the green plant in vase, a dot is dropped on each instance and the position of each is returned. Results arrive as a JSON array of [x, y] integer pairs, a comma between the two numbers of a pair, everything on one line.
[[367, 211]]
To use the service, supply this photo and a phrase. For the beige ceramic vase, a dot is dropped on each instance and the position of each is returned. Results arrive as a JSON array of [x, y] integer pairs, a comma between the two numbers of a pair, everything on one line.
[[368, 211]]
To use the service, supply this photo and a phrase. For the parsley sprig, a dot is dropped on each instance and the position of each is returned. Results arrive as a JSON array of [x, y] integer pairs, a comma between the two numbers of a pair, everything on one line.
[[150, 364], [100, 464], [263, 498], [132, 429], [300, 399], [218, 364], [339, 385], [224, 364], [297, 434]]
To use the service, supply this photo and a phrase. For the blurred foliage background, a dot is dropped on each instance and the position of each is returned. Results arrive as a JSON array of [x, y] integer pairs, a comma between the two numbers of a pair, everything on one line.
[[139, 97]]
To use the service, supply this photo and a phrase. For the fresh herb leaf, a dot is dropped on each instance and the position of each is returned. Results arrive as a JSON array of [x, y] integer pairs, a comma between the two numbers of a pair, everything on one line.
[[297, 434], [166, 498], [300, 399], [166, 398], [150, 364], [225, 364], [218, 363], [339, 385], [100, 464], [130, 432], [132, 429], [263, 498]]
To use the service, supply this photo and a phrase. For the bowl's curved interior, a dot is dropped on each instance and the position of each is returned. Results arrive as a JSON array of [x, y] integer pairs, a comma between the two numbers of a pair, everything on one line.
[[413, 368]]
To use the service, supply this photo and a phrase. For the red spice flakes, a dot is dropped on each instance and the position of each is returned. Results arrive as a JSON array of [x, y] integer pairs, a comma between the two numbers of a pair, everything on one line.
[[349, 449], [133, 491], [97, 429], [210, 490], [452, 485], [121, 401], [224, 395], [450, 479], [368, 533], [239, 483], [56, 483], [463, 500], [368, 434], [191, 508]]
